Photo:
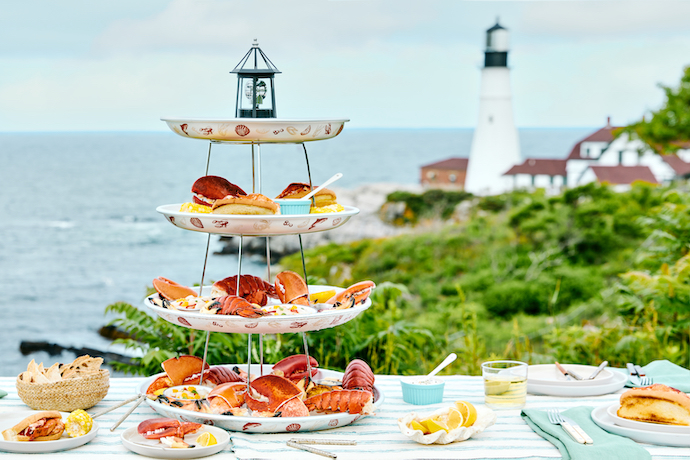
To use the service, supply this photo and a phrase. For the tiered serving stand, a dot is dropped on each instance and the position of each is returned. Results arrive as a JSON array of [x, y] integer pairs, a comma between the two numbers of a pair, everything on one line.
[[256, 132]]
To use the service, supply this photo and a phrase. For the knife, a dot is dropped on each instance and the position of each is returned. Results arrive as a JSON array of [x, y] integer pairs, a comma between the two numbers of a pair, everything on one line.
[[634, 378], [601, 367], [639, 371], [580, 431], [564, 371]]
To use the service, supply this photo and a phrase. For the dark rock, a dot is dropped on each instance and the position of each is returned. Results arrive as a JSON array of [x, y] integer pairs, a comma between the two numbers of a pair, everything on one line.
[[54, 349]]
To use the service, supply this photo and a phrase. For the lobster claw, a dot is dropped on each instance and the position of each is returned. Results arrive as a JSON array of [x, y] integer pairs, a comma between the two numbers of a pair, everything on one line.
[[295, 367], [157, 428], [273, 391], [171, 290], [355, 294]]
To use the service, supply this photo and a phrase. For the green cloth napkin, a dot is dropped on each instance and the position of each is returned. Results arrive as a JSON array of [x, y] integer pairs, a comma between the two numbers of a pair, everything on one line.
[[3, 394], [670, 374], [606, 445]]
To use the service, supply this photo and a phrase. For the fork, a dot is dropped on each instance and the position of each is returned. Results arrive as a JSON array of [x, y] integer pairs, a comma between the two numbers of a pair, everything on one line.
[[646, 381], [556, 419]]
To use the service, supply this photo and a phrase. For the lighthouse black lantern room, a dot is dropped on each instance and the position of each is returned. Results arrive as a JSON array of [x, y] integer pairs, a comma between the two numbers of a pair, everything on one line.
[[255, 90]]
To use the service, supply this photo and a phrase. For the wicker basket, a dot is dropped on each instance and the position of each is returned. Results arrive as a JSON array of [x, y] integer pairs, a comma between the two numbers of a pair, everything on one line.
[[66, 395]]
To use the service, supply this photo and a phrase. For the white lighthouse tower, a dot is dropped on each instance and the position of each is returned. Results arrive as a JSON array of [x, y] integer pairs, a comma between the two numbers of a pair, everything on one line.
[[495, 145]]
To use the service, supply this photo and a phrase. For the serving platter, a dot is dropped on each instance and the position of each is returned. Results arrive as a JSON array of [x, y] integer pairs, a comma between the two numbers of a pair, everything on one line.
[[268, 225], [559, 389], [9, 419], [264, 325], [314, 422], [256, 130], [612, 411], [601, 417], [135, 442], [548, 374]]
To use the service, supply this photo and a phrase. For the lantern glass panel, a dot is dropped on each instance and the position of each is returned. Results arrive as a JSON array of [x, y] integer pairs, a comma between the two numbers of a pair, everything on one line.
[[257, 103]]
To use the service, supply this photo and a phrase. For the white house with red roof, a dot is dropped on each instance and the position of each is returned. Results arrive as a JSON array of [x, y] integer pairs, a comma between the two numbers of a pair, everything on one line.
[[599, 157]]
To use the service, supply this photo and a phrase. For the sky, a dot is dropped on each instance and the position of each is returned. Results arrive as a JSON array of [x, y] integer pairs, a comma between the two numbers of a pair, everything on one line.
[[121, 65]]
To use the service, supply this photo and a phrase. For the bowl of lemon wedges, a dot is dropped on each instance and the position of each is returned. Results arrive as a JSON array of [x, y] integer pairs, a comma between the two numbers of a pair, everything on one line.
[[449, 424]]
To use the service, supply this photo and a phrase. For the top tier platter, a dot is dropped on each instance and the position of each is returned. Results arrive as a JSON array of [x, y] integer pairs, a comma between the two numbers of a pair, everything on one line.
[[257, 130]]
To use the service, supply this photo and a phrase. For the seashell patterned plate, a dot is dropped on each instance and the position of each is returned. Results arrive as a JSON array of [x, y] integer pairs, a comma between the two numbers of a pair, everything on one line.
[[264, 325], [256, 130], [314, 422], [268, 225]]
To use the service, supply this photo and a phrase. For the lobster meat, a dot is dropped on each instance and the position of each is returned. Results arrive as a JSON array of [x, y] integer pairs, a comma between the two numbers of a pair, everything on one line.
[[291, 288], [234, 305], [252, 288], [226, 397], [358, 375], [171, 290], [156, 428], [355, 294], [352, 401], [295, 367]]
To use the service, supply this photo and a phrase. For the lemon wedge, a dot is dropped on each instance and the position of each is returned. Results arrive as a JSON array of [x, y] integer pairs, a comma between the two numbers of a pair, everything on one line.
[[206, 439], [321, 297], [468, 411], [415, 425], [435, 424], [455, 419]]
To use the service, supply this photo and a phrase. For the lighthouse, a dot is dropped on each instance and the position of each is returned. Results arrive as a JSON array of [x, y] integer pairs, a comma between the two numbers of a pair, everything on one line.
[[495, 144]]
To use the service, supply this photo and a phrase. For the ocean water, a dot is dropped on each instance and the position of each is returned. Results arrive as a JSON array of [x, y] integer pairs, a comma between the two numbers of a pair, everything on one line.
[[79, 230]]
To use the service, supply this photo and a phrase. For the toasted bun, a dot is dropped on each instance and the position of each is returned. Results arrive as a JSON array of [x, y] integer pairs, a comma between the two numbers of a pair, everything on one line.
[[253, 204], [208, 189], [12, 434], [178, 369], [325, 197], [656, 404]]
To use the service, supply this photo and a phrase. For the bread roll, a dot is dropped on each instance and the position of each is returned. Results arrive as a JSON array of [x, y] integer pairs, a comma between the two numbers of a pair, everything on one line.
[[656, 404], [296, 190], [41, 426], [252, 204]]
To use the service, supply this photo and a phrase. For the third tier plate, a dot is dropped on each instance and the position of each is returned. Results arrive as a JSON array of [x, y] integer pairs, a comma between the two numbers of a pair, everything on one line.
[[274, 324], [267, 225]]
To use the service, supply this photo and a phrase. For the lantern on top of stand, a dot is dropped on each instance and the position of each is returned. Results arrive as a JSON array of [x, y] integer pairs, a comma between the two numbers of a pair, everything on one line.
[[255, 90]]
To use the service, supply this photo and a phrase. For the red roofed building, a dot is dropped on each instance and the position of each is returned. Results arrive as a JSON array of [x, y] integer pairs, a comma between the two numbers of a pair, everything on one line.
[[446, 174], [600, 157]]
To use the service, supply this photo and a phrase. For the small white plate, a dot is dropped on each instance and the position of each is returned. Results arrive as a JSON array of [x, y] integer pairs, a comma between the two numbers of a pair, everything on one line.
[[612, 410], [557, 389], [548, 374], [135, 442], [41, 447], [601, 417]]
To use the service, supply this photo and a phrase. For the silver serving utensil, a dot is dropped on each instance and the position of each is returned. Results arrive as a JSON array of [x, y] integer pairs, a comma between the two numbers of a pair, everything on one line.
[[140, 399], [566, 372], [601, 367]]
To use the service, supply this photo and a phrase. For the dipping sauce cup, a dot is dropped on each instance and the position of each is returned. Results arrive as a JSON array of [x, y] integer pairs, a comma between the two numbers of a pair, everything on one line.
[[505, 384]]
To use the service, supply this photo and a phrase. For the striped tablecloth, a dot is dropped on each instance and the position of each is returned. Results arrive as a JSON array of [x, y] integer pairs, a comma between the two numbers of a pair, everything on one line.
[[377, 437]]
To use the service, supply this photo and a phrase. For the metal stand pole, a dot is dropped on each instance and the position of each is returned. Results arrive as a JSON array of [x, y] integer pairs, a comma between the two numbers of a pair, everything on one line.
[[311, 186], [306, 352], [304, 265], [258, 165], [203, 274], [253, 173]]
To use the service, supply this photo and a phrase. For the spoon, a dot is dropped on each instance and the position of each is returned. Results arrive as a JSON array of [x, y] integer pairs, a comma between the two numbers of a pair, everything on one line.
[[322, 186], [449, 359]]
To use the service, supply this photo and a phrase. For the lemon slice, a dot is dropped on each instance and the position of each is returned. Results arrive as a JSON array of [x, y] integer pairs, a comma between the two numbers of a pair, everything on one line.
[[455, 419], [206, 439], [468, 411], [496, 387], [415, 425], [321, 297], [436, 424]]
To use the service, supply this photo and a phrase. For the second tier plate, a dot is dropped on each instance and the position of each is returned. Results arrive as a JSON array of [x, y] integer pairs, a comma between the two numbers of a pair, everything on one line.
[[270, 225], [263, 325]]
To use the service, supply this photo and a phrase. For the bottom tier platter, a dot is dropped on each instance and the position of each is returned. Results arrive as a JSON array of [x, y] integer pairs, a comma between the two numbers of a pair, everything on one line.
[[315, 422], [264, 325]]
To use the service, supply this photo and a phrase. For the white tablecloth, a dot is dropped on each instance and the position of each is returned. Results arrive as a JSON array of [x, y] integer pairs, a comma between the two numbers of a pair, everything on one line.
[[377, 437]]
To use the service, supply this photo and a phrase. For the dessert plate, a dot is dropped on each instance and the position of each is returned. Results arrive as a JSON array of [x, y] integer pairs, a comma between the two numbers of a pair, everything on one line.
[[601, 417], [314, 422], [263, 325], [135, 442], [612, 411], [558, 389], [268, 225], [9, 419], [548, 374], [257, 130]]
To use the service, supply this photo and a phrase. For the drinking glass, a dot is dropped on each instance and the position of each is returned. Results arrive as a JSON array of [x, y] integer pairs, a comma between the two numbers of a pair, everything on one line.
[[505, 384]]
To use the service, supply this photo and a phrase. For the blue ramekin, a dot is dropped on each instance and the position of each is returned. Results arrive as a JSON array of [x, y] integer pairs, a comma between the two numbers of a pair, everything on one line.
[[289, 207], [421, 394]]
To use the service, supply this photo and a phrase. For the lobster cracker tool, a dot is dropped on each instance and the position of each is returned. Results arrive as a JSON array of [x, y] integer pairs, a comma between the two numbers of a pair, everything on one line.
[[301, 443]]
